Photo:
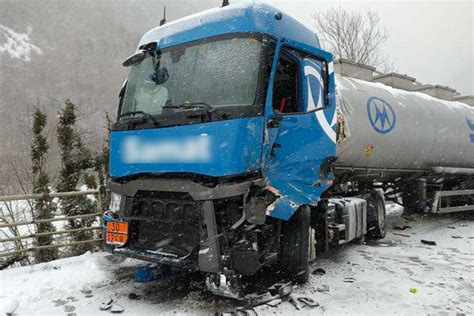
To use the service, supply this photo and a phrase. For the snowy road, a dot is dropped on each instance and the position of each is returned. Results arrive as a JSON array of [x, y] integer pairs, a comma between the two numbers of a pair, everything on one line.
[[371, 278]]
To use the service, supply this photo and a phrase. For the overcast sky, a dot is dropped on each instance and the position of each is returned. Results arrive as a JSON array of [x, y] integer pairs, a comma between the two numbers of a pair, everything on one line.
[[430, 40]]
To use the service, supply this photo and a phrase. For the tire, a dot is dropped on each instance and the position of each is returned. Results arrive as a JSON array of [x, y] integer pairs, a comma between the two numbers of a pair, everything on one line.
[[376, 212], [294, 251]]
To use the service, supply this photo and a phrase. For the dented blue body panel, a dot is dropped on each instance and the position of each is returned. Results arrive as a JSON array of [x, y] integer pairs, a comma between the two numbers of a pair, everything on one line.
[[305, 141]]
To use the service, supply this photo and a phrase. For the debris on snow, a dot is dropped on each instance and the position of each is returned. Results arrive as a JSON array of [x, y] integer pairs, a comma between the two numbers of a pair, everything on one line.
[[116, 309], [349, 280], [106, 304], [308, 301], [275, 302], [428, 242], [398, 227], [69, 308], [134, 296], [322, 288], [295, 302], [401, 233], [86, 291], [319, 271]]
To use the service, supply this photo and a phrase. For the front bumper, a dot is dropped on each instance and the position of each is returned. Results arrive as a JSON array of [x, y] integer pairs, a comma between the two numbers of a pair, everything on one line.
[[197, 191], [185, 262], [195, 224]]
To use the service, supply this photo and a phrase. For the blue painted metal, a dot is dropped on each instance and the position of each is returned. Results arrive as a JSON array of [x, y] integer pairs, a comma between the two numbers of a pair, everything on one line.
[[152, 273], [293, 170], [470, 124], [244, 16], [381, 115], [106, 217], [235, 148]]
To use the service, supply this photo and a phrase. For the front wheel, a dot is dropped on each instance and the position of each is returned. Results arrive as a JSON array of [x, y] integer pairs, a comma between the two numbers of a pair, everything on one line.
[[377, 228], [294, 251]]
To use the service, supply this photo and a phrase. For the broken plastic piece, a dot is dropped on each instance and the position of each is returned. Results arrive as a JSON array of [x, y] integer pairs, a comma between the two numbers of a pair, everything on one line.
[[274, 303], [106, 304], [134, 296], [308, 301], [401, 233], [276, 291], [403, 227], [116, 309], [319, 271], [224, 285], [295, 302], [147, 273]]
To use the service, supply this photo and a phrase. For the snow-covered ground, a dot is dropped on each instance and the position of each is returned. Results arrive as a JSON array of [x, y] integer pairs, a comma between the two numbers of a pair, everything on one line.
[[373, 278]]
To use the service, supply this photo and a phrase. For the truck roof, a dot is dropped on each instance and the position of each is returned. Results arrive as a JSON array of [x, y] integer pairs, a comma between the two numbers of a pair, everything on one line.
[[245, 16]]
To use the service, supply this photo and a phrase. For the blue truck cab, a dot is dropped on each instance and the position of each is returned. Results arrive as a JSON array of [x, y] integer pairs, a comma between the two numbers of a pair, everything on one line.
[[223, 145]]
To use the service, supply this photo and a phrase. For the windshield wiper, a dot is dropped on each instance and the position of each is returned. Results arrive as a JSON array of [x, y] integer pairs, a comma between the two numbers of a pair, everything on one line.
[[145, 115], [191, 105], [194, 105]]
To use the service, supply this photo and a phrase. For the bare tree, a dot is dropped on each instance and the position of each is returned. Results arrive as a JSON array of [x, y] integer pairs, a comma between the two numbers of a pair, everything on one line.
[[10, 213], [353, 35]]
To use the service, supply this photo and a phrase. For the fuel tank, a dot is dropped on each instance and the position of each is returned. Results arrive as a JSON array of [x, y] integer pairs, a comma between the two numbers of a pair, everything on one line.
[[381, 127]]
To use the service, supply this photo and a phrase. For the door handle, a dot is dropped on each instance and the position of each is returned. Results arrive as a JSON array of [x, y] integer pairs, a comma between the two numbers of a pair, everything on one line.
[[274, 122]]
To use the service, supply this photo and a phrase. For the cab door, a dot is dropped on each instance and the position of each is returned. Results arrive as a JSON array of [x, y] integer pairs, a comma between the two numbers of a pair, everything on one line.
[[300, 137]]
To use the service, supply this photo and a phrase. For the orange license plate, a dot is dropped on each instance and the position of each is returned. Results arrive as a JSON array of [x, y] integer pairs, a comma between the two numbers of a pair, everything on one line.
[[117, 233]]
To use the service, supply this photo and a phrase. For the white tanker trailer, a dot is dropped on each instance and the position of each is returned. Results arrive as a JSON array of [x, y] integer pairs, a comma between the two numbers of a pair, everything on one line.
[[415, 143], [409, 131]]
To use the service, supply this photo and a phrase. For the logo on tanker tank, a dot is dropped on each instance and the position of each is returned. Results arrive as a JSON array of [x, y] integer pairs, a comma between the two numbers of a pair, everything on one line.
[[470, 124], [381, 115]]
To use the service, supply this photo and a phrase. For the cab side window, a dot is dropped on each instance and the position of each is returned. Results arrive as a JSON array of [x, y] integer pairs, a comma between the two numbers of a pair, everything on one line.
[[286, 84]]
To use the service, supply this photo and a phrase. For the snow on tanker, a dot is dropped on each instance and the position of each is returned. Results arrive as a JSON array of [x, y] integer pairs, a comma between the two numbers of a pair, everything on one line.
[[236, 147]]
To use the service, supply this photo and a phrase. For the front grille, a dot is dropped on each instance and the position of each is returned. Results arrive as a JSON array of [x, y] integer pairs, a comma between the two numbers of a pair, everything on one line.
[[166, 222]]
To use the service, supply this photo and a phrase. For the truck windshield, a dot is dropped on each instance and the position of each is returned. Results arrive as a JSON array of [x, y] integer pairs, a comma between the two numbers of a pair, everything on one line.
[[217, 73]]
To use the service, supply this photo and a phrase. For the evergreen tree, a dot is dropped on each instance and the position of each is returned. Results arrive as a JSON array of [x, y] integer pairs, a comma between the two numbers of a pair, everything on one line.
[[102, 165], [75, 160], [44, 207]]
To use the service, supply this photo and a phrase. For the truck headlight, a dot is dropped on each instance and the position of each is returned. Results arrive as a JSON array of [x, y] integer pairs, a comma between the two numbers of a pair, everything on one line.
[[115, 200]]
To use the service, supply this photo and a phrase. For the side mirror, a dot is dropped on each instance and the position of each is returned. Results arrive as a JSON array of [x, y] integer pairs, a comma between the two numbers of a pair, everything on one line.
[[135, 58]]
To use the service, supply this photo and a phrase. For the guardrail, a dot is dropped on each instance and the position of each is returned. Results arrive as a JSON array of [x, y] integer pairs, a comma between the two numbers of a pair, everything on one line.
[[21, 252]]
